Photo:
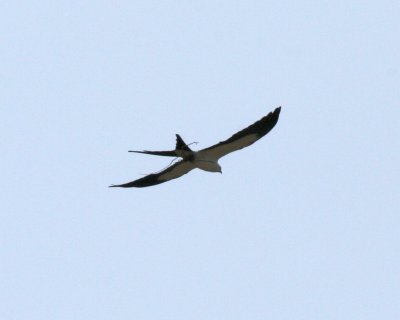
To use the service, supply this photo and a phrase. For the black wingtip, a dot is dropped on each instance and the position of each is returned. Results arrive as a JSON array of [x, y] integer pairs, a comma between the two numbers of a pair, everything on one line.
[[273, 118], [277, 111]]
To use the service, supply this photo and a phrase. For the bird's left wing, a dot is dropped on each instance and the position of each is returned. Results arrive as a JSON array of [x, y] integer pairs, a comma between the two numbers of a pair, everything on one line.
[[175, 171], [243, 138]]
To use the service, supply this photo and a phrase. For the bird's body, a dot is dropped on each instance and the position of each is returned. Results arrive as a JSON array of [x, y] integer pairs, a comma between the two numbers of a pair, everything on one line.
[[205, 159], [205, 164]]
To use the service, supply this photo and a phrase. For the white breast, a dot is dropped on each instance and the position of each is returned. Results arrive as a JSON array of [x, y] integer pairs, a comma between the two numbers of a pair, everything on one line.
[[207, 165]]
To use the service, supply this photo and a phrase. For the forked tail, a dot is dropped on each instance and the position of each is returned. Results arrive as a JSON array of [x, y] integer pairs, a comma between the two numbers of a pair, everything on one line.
[[180, 146]]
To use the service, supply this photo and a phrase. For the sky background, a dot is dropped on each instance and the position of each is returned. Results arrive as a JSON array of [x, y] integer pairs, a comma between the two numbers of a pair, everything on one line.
[[304, 224]]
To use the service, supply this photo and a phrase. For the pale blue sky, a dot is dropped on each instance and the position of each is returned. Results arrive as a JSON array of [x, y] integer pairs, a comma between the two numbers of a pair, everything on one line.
[[304, 224]]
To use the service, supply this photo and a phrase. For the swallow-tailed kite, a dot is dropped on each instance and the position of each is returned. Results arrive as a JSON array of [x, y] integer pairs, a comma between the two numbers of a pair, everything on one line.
[[205, 159]]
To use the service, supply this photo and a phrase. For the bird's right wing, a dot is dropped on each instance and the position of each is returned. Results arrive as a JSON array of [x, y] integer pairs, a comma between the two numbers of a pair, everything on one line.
[[243, 138]]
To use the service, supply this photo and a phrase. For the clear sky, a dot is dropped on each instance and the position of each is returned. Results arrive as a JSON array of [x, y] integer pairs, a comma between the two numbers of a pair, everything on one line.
[[304, 224]]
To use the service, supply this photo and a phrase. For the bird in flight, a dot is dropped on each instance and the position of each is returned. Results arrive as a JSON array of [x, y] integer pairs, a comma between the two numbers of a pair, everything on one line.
[[205, 159]]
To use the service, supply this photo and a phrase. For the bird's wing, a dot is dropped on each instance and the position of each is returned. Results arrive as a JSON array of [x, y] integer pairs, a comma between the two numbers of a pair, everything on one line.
[[175, 171], [243, 138]]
